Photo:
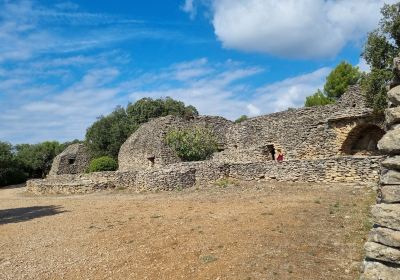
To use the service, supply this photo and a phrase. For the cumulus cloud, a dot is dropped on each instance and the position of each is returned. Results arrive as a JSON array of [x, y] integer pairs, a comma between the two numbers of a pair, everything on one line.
[[293, 28]]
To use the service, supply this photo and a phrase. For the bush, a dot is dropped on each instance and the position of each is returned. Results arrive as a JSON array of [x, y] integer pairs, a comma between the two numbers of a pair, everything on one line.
[[192, 144], [103, 164], [241, 119]]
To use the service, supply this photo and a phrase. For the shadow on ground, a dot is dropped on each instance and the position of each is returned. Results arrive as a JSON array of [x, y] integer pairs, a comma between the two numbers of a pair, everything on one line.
[[17, 215]]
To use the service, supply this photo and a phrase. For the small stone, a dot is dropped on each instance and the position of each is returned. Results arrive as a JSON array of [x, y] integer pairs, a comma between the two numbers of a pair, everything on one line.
[[381, 252], [392, 162], [385, 236], [394, 95], [390, 142], [379, 271], [387, 215], [390, 194]]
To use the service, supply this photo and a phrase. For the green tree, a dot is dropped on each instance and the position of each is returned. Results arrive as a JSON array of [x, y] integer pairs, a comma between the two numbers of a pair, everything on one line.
[[108, 133], [380, 48], [340, 79], [147, 108], [37, 159], [105, 136], [192, 144], [103, 164], [241, 118], [337, 82], [318, 99], [10, 170]]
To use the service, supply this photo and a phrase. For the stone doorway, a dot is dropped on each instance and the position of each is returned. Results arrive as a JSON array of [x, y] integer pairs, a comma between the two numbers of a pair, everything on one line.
[[363, 140]]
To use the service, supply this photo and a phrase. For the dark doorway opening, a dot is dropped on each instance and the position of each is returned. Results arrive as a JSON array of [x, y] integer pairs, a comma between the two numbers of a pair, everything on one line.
[[152, 161], [270, 150]]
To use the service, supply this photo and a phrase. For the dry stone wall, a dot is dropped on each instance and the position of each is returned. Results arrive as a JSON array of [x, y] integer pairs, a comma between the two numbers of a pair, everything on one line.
[[187, 174], [305, 133], [382, 250]]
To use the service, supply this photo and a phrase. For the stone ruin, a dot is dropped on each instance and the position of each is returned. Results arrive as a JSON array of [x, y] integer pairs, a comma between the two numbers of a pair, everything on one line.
[[73, 160], [332, 143], [382, 249]]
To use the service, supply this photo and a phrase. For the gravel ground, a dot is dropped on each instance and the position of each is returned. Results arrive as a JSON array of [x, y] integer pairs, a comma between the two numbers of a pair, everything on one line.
[[244, 231]]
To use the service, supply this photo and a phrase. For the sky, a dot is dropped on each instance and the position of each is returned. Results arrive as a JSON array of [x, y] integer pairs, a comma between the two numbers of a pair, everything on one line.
[[65, 63]]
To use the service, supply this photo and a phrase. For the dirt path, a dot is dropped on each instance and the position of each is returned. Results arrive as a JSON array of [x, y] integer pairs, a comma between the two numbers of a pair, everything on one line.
[[262, 231]]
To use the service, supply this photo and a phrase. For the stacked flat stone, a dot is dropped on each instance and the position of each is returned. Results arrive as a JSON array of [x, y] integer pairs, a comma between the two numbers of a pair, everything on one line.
[[383, 246]]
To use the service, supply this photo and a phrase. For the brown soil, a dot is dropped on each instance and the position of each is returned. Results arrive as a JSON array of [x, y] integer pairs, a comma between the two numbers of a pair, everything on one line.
[[251, 231]]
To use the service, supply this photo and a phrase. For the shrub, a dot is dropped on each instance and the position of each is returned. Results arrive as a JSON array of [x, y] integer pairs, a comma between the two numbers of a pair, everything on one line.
[[241, 119], [192, 144], [103, 164]]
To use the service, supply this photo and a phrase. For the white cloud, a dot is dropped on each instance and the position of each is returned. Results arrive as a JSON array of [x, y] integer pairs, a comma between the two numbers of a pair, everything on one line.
[[363, 66], [190, 8], [290, 92], [293, 28]]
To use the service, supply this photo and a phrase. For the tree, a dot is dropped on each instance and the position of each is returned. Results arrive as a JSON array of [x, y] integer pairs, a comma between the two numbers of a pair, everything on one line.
[[241, 118], [318, 99], [192, 144], [10, 170], [105, 136], [340, 79], [379, 51], [36, 159], [147, 108], [108, 133], [337, 82]]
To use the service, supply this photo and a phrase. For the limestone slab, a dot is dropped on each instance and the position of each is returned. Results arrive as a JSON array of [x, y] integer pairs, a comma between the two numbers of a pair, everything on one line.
[[390, 194], [379, 271], [387, 215], [394, 95], [390, 142], [381, 252], [392, 162], [392, 115], [390, 177], [385, 236]]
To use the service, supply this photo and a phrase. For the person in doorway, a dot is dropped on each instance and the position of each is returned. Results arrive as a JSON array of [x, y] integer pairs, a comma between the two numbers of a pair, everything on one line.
[[279, 158]]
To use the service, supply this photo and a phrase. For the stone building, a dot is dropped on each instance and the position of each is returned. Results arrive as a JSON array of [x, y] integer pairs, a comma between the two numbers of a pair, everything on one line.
[[332, 143], [343, 129], [147, 149], [73, 160]]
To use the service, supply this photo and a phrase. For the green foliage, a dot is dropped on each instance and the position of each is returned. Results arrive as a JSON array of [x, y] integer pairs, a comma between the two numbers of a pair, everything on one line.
[[381, 47], [192, 144], [36, 159], [27, 160], [241, 118], [318, 99], [10, 170], [374, 86], [108, 133], [147, 108], [340, 79], [103, 164], [336, 85]]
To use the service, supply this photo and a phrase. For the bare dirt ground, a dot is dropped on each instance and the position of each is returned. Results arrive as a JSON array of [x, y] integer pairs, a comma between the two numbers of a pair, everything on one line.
[[251, 231]]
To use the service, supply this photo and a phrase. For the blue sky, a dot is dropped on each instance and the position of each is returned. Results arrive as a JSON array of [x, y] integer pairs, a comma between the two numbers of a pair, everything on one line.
[[64, 63]]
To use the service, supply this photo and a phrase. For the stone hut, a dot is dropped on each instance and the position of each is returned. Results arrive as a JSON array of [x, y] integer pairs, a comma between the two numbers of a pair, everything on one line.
[[346, 128], [73, 160], [147, 149]]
